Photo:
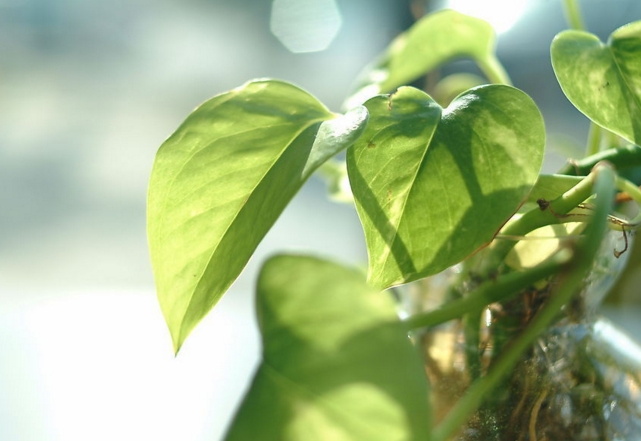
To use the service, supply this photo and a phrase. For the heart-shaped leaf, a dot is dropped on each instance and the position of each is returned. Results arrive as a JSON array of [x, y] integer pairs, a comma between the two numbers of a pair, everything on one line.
[[431, 185], [220, 182], [337, 364], [603, 81], [432, 41]]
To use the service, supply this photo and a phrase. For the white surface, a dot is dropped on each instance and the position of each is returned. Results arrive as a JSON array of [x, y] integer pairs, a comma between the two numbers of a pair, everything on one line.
[[99, 366]]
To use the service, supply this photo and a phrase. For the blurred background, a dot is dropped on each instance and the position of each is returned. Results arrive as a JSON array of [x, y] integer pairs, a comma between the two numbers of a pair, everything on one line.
[[88, 92]]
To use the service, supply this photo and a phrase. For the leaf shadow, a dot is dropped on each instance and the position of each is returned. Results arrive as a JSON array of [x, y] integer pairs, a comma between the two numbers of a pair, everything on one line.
[[287, 387], [381, 221]]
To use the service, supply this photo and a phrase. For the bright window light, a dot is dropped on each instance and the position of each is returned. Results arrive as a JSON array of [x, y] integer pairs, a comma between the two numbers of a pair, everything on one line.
[[501, 14]]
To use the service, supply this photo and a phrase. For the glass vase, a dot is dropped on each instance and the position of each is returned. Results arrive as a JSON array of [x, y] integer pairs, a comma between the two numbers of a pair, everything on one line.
[[580, 381]]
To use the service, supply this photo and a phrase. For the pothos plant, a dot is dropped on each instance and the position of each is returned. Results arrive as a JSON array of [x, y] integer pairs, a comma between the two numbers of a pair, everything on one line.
[[435, 177]]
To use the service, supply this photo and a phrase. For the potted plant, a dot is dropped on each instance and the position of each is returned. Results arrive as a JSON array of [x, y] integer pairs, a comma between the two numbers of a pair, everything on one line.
[[440, 179]]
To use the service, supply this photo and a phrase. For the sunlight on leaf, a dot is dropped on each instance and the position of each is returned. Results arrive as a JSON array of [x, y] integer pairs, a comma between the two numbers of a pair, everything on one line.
[[433, 185], [435, 39], [220, 182], [337, 364], [603, 81], [538, 245]]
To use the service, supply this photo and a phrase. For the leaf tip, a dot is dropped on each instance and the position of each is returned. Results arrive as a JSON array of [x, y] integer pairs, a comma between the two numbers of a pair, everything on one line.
[[178, 334], [177, 345]]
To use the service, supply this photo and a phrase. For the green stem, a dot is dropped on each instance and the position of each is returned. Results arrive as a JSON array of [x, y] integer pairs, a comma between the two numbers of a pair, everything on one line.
[[573, 15], [555, 213], [621, 158], [594, 140], [635, 194], [569, 280], [632, 190], [613, 139], [488, 292], [494, 70], [472, 335]]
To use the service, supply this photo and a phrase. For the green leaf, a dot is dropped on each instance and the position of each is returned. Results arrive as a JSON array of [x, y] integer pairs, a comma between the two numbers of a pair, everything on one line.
[[220, 182], [603, 81], [334, 173], [453, 85], [540, 244], [431, 185], [337, 363], [432, 41]]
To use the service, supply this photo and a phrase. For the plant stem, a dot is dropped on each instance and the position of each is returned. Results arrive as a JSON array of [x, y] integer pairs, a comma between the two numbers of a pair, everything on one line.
[[472, 335], [635, 194], [594, 140], [596, 137], [570, 279], [556, 213], [622, 157], [488, 292], [573, 15], [494, 70], [632, 190], [613, 139]]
